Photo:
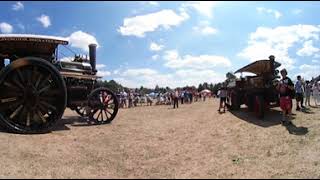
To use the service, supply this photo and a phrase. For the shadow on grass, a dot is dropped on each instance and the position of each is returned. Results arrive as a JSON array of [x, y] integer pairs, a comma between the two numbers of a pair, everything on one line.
[[272, 117], [293, 129]]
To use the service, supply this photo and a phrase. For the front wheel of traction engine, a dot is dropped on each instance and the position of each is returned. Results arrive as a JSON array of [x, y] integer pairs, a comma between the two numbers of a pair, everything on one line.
[[32, 96], [104, 106]]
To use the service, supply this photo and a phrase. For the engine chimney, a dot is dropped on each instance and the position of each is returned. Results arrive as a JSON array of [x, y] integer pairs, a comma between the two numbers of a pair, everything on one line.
[[92, 56]]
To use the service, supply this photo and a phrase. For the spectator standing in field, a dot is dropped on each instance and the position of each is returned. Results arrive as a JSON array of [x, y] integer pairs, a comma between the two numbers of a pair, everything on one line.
[[222, 93], [315, 93], [299, 93], [308, 93], [175, 99], [285, 87]]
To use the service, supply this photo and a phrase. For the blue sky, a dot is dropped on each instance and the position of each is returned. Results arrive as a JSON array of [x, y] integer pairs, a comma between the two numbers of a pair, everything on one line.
[[176, 43]]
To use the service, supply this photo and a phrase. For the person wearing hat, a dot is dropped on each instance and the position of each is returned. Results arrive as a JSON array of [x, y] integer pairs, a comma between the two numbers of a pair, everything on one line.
[[285, 88]]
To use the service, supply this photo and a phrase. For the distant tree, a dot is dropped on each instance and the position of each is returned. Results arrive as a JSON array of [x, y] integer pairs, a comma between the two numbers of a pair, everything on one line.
[[200, 87], [157, 89]]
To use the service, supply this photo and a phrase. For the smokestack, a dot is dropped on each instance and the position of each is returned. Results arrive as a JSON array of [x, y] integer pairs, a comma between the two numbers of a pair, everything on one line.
[[92, 56]]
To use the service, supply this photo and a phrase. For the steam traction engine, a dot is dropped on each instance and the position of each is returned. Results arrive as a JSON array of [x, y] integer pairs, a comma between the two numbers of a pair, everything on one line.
[[35, 87], [258, 92]]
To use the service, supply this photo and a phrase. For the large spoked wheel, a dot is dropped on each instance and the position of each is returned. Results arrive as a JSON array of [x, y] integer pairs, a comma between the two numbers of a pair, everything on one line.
[[33, 96], [104, 106]]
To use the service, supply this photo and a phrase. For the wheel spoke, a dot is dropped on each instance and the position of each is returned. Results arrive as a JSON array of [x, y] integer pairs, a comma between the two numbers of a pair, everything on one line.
[[41, 116], [101, 112], [18, 83], [48, 105], [20, 76], [52, 92], [28, 119], [44, 89], [16, 111], [10, 85], [10, 99], [98, 115], [106, 114], [44, 82], [38, 81]]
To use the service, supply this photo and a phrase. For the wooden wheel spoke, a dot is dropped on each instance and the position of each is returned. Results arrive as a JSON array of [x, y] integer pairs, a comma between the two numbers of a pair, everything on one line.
[[18, 83]]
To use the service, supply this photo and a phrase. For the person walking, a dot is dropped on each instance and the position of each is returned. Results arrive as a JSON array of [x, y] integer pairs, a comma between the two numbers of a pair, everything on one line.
[[285, 88], [299, 93], [307, 93]]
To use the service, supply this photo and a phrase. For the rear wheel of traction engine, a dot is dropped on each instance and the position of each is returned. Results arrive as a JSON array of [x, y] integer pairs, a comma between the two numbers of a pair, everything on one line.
[[104, 106], [235, 104], [259, 106], [32, 96]]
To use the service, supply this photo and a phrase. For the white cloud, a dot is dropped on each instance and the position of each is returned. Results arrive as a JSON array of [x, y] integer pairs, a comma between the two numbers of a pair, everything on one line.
[[103, 73], [315, 61], [17, 6], [139, 72], [203, 7], [5, 28], [205, 29], [81, 40], [276, 13], [147, 77], [174, 61], [155, 57], [156, 47], [44, 20], [67, 59], [139, 25], [100, 66], [277, 41], [297, 11], [153, 3], [308, 49], [309, 71]]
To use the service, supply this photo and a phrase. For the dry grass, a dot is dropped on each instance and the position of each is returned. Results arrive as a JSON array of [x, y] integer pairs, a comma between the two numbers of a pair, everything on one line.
[[194, 141]]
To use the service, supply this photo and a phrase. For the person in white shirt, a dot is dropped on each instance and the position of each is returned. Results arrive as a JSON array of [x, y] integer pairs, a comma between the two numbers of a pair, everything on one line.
[[315, 93]]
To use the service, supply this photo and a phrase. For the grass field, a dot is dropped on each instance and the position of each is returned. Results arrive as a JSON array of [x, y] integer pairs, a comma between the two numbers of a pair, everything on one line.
[[194, 141]]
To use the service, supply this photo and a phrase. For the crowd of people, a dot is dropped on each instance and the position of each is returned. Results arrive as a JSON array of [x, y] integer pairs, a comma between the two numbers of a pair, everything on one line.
[[131, 99], [300, 90]]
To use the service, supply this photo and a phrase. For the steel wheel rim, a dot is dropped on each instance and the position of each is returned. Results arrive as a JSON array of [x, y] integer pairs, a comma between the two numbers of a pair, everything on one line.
[[104, 106], [34, 92]]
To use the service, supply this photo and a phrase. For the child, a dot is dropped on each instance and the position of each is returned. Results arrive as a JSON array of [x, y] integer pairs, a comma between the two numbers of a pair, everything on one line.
[[285, 87]]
